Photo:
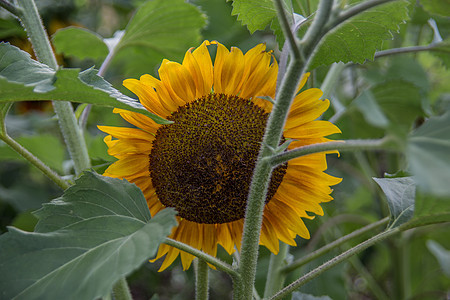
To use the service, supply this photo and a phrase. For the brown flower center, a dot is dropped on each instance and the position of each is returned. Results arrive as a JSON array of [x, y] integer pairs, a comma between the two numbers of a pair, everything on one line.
[[202, 163]]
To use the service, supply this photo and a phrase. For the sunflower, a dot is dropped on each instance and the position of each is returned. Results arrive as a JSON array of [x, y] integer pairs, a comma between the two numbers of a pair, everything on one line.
[[202, 163]]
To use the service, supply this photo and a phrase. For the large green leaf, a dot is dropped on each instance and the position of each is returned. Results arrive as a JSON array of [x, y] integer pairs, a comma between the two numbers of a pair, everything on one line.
[[357, 39], [79, 42], [255, 14], [24, 79], [159, 29], [258, 14], [99, 231], [400, 193], [428, 154]]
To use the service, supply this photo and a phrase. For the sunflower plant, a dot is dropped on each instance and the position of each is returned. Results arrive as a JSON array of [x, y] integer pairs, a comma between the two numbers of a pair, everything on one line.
[[218, 157]]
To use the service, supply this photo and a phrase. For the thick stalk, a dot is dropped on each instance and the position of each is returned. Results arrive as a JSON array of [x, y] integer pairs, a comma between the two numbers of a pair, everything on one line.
[[263, 168], [35, 161], [73, 136], [261, 178], [201, 280], [121, 290], [275, 276]]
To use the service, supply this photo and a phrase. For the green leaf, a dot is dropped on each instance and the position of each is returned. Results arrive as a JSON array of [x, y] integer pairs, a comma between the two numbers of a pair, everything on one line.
[[79, 42], [159, 29], [438, 7], [400, 193], [17, 66], [428, 154], [302, 296], [255, 14], [258, 14], [24, 79], [96, 233], [442, 255], [357, 39], [372, 113]]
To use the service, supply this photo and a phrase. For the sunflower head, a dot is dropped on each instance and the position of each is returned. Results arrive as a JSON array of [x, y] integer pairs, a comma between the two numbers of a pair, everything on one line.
[[202, 163]]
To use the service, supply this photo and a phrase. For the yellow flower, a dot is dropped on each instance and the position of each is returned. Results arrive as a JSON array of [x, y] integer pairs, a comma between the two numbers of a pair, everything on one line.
[[202, 163]]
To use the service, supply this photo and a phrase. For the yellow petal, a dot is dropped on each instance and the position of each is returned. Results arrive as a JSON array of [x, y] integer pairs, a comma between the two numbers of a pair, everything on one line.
[[129, 167], [311, 130], [224, 238], [127, 133], [289, 217], [178, 82], [147, 95], [138, 120], [200, 65], [284, 234], [269, 237]]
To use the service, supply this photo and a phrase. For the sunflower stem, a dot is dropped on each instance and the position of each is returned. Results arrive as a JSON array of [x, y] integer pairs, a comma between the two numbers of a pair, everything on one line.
[[121, 290], [35, 161], [261, 179], [201, 279], [220, 265], [275, 276], [73, 136], [263, 167], [347, 145], [327, 248]]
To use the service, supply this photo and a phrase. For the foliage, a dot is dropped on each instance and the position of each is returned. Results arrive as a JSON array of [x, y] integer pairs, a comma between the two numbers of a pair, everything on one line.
[[22, 78], [97, 232], [400, 194]]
